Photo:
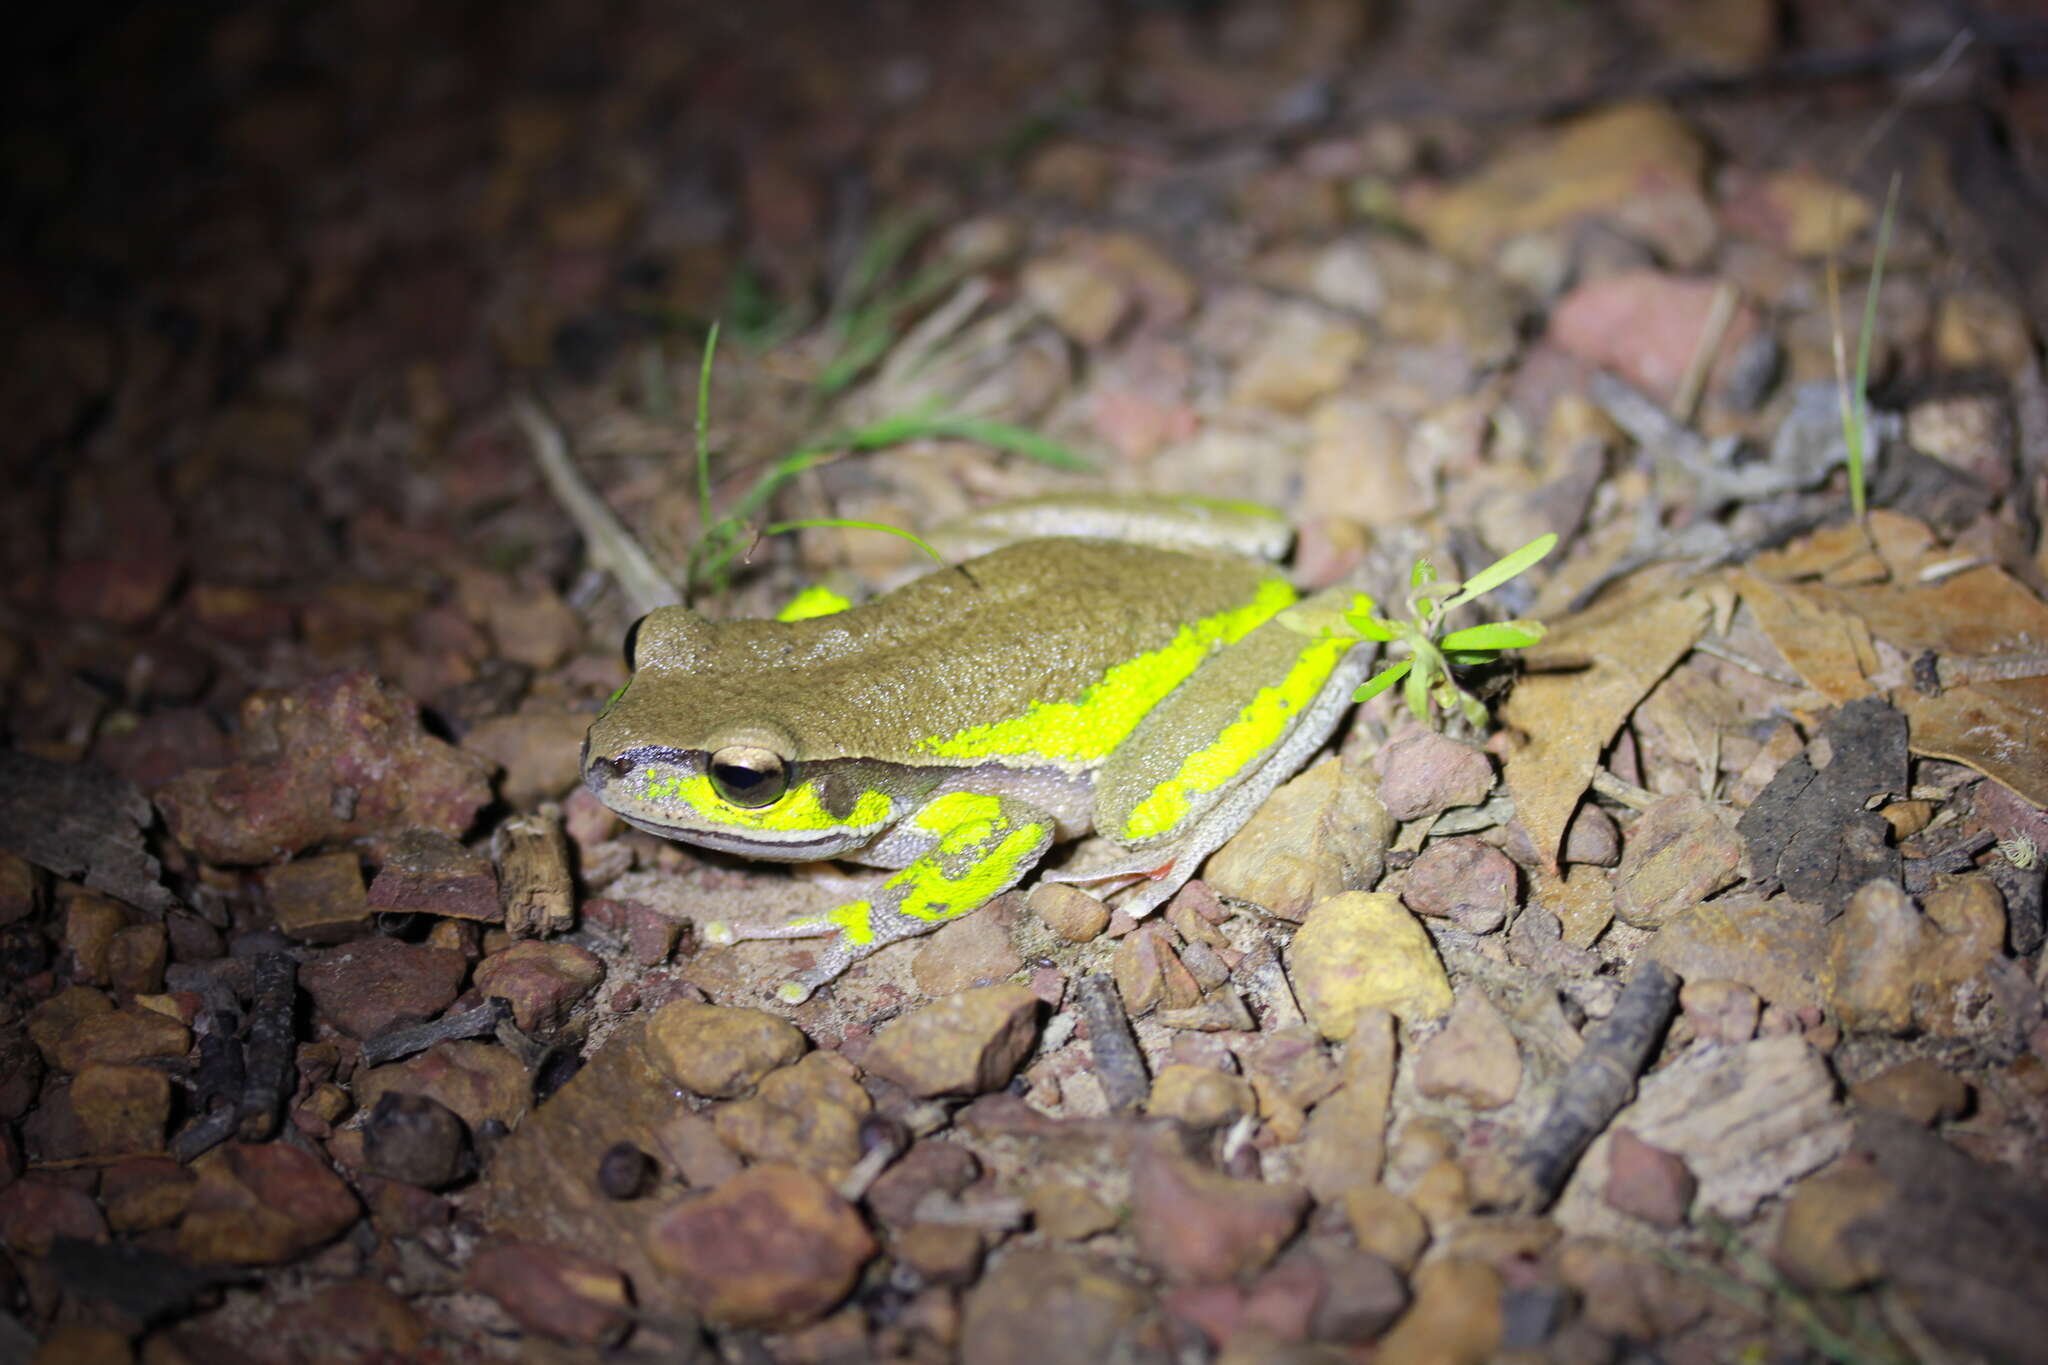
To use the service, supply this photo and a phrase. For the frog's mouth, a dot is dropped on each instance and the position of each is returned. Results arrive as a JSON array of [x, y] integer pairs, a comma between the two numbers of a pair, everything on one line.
[[794, 850]]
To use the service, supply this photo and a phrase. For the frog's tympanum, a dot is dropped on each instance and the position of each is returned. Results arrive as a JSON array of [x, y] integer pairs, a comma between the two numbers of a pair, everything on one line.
[[956, 728]]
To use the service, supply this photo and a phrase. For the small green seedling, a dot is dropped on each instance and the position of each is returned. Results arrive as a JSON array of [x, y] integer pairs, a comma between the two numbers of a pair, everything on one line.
[[1426, 674]]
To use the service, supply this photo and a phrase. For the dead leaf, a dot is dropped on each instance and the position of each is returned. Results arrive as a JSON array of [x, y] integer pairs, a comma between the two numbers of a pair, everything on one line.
[[1570, 716]]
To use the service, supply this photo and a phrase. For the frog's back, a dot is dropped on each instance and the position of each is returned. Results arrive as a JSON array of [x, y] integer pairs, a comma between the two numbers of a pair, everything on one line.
[[1049, 650]]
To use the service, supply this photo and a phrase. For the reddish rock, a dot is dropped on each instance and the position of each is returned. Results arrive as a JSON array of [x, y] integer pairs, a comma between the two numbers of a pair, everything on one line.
[[774, 1247], [1149, 974], [1193, 1224], [35, 1211], [262, 1204], [1474, 1058], [90, 923], [1720, 1011], [538, 750], [929, 1165], [965, 1044], [1424, 773], [341, 759], [1681, 851], [1464, 880], [1648, 1182], [365, 987], [427, 872], [543, 980], [554, 1292]]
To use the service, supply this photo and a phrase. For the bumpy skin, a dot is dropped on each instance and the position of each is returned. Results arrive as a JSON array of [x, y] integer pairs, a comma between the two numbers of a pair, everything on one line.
[[956, 727]]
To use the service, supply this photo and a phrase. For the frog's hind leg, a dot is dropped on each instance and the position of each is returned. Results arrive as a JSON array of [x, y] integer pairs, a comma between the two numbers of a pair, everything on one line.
[[975, 847], [1204, 760]]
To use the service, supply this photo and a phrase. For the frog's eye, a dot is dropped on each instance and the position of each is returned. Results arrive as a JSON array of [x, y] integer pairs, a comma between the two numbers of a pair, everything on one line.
[[633, 642], [748, 775]]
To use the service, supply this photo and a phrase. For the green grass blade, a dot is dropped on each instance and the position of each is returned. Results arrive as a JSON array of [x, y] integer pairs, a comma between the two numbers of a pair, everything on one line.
[[846, 523], [1382, 680], [1493, 635], [1502, 569], [1858, 432]]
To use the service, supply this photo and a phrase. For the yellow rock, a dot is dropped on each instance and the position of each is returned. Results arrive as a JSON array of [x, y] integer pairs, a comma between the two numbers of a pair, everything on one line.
[[1363, 951], [1605, 162]]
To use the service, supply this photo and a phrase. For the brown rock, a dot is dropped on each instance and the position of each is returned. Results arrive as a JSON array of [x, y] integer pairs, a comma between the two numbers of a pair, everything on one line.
[[930, 1165], [1424, 773], [719, 1051], [974, 950], [774, 1247], [1455, 1318], [368, 986], [692, 1145], [537, 749], [90, 923], [1038, 1305], [1149, 974], [262, 1204], [1818, 1241], [144, 1193], [123, 1109], [1648, 1182], [808, 1114], [1363, 951], [78, 1343], [1679, 853], [1345, 1138], [1084, 299], [35, 1211], [554, 1292], [1361, 1296], [1068, 911], [1922, 1090], [1720, 1011], [1193, 1224], [1065, 1212], [1895, 967], [1778, 948], [479, 1081], [428, 872], [1386, 1225], [940, 1253], [136, 959], [1302, 354], [318, 899], [1464, 880], [544, 981], [414, 1139], [1473, 1059], [1627, 1292], [1583, 903], [1321, 833], [1358, 465], [79, 1027], [341, 759], [965, 1044], [1200, 1096]]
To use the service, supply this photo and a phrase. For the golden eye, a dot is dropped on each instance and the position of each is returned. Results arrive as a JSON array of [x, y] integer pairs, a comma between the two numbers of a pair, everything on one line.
[[748, 775]]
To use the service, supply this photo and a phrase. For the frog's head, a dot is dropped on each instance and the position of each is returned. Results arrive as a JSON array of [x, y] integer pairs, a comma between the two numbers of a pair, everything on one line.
[[683, 752]]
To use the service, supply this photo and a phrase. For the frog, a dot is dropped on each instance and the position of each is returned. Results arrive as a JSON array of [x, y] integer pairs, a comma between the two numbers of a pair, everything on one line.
[[954, 730]]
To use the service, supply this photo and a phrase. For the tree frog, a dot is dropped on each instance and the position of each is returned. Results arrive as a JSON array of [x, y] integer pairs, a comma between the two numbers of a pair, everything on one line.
[[957, 727]]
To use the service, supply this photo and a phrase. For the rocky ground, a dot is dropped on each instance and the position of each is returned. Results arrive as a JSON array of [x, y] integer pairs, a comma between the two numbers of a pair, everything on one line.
[[1691, 1010]]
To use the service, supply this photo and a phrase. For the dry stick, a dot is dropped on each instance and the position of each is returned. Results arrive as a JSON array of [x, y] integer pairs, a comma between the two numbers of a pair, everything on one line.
[[1600, 1081], [1119, 1065], [407, 1039], [609, 544], [272, 1045]]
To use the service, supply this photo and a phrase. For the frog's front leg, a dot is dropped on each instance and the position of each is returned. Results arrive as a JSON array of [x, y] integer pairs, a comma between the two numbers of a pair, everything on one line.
[[960, 850]]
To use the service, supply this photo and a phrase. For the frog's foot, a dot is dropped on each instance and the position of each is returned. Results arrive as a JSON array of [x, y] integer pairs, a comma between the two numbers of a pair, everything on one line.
[[977, 847], [724, 933], [1149, 866]]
